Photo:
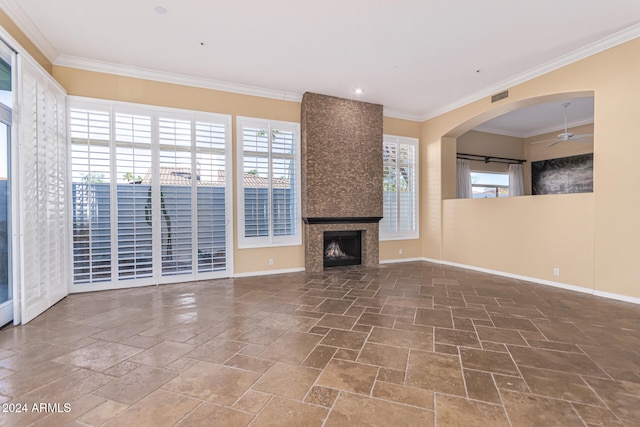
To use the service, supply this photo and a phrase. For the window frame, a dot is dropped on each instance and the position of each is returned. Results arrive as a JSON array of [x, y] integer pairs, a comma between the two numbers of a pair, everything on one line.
[[156, 113], [496, 187], [270, 240], [398, 234]]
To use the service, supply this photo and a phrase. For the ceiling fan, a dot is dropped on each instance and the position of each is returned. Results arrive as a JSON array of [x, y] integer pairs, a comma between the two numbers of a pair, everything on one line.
[[566, 135]]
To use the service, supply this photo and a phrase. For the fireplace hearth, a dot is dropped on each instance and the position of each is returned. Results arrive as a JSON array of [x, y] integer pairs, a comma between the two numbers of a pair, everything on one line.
[[342, 248]]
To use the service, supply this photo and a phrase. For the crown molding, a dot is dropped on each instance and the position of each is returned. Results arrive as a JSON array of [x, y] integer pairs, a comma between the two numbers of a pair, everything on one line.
[[24, 23], [180, 79], [404, 115], [605, 43], [200, 82]]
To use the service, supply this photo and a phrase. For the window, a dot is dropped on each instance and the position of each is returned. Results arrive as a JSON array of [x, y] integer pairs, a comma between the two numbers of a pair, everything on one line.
[[268, 183], [400, 188], [149, 194], [489, 185], [134, 195], [91, 200]]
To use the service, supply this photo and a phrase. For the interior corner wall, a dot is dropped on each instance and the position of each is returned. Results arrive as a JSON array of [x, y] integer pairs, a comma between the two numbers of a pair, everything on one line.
[[28, 45], [595, 247]]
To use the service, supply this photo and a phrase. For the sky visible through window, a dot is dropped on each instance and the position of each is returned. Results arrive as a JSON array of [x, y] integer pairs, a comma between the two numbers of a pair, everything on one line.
[[488, 178]]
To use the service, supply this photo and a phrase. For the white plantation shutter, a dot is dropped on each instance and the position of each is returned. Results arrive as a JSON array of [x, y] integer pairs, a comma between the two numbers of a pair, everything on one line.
[[154, 206], [57, 185], [389, 220], [255, 181], [407, 180], [91, 194], [283, 182], [134, 196], [268, 181], [400, 188], [42, 191], [28, 154], [211, 166], [176, 181]]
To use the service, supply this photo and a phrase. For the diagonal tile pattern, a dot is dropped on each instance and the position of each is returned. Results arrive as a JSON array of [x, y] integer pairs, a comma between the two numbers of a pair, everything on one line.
[[401, 344]]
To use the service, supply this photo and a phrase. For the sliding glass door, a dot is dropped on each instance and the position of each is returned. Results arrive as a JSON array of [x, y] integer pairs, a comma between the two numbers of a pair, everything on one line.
[[6, 285], [6, 291], [150, 197]]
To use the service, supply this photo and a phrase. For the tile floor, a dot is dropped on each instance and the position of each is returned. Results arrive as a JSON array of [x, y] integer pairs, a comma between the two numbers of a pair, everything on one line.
[[413, 344]]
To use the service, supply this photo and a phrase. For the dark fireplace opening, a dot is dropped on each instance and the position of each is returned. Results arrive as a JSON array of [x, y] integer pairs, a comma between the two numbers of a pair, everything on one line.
[[342, 248]]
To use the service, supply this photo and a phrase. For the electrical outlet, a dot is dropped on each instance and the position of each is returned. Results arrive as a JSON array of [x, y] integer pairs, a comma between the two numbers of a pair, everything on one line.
[[400, 251], [556, 271], [270, 261]]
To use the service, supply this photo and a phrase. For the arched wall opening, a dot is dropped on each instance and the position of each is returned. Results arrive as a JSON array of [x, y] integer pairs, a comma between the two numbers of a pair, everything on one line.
[[547, 238], [448, 160]]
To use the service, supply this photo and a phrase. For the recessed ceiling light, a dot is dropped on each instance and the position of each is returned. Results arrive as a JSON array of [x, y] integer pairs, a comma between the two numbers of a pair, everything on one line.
[[160, 10], [358, 91]]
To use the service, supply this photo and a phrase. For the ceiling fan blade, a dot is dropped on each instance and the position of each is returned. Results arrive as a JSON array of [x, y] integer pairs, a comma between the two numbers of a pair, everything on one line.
[[544, 140], [582, 136], [576, 138], [554, 143]]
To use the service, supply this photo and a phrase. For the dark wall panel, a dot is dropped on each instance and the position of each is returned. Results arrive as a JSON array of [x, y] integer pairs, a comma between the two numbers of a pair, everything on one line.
[[562, 176]]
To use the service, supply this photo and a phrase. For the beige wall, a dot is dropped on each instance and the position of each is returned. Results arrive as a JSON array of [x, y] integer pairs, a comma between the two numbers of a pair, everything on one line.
[[595, 235], [490, 144], [400, 127], [517, 245], [512, 235]]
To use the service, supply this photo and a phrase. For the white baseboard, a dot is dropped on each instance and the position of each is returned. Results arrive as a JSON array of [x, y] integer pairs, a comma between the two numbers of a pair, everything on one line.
[[269, 272], [393, 261], [574, 288], [618, 297], [560, 285]]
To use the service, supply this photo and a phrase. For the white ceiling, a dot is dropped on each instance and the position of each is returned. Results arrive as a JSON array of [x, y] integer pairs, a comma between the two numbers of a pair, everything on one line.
[[418, 58], [541, 118]]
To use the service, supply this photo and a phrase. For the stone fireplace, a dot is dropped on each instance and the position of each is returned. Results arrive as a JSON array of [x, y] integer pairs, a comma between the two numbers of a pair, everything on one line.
[[341, 174]]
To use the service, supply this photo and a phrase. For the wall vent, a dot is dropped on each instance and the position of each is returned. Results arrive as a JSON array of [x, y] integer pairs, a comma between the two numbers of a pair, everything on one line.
[[499, 96]]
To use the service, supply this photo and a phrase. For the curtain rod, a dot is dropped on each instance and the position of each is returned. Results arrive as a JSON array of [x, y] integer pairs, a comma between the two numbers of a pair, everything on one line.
[[489, 159]]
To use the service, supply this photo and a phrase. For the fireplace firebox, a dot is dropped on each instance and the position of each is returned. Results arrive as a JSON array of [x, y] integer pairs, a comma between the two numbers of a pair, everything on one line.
[[342, 248]]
